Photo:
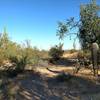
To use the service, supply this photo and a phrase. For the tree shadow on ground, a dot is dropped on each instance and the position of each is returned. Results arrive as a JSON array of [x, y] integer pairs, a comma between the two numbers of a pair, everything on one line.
[[34, 86], [64, 62], [8, 73], [75, 86]]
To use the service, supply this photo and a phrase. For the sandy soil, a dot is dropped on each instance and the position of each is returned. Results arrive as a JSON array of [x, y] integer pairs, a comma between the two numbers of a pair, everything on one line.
[[70, 55], [42, 84]]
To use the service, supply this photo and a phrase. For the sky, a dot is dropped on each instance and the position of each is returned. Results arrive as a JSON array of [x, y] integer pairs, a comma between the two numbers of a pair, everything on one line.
[[36, 20]]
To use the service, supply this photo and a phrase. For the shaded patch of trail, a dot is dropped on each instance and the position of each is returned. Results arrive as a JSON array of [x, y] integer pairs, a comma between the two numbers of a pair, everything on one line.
[[35, 86]]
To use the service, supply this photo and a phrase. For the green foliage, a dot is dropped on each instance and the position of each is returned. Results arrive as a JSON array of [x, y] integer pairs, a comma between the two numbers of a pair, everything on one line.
[[4, 45], [65, 27], [26, 55], [56, 52], [19, 55], [62, 29], [88, 27], [90, 24]]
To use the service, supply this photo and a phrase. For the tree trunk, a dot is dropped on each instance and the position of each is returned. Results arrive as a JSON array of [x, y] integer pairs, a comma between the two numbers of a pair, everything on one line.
[[95, 49]]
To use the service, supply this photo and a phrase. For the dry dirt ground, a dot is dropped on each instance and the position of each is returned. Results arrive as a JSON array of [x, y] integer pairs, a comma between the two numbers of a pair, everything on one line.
[[70, 55], [43, 84]]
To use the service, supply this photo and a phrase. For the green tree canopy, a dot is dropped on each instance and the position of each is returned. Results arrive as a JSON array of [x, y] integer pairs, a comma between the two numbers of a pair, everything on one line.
[[88, 25], [89, 30]]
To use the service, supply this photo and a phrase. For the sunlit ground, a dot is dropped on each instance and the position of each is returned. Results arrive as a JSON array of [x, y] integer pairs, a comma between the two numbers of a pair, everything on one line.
[[41, 83]]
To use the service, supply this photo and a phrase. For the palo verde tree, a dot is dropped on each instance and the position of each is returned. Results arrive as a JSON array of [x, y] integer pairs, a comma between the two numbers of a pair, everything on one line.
[[88, 26], [89, 30]]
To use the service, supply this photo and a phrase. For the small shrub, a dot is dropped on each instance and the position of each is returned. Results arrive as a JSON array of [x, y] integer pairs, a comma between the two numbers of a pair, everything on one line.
[[25, 56], [56, 52], [20, 63]]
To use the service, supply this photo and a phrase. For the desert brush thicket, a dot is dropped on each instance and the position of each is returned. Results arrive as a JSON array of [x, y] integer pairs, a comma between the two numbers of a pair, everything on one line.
[[20, 55]]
